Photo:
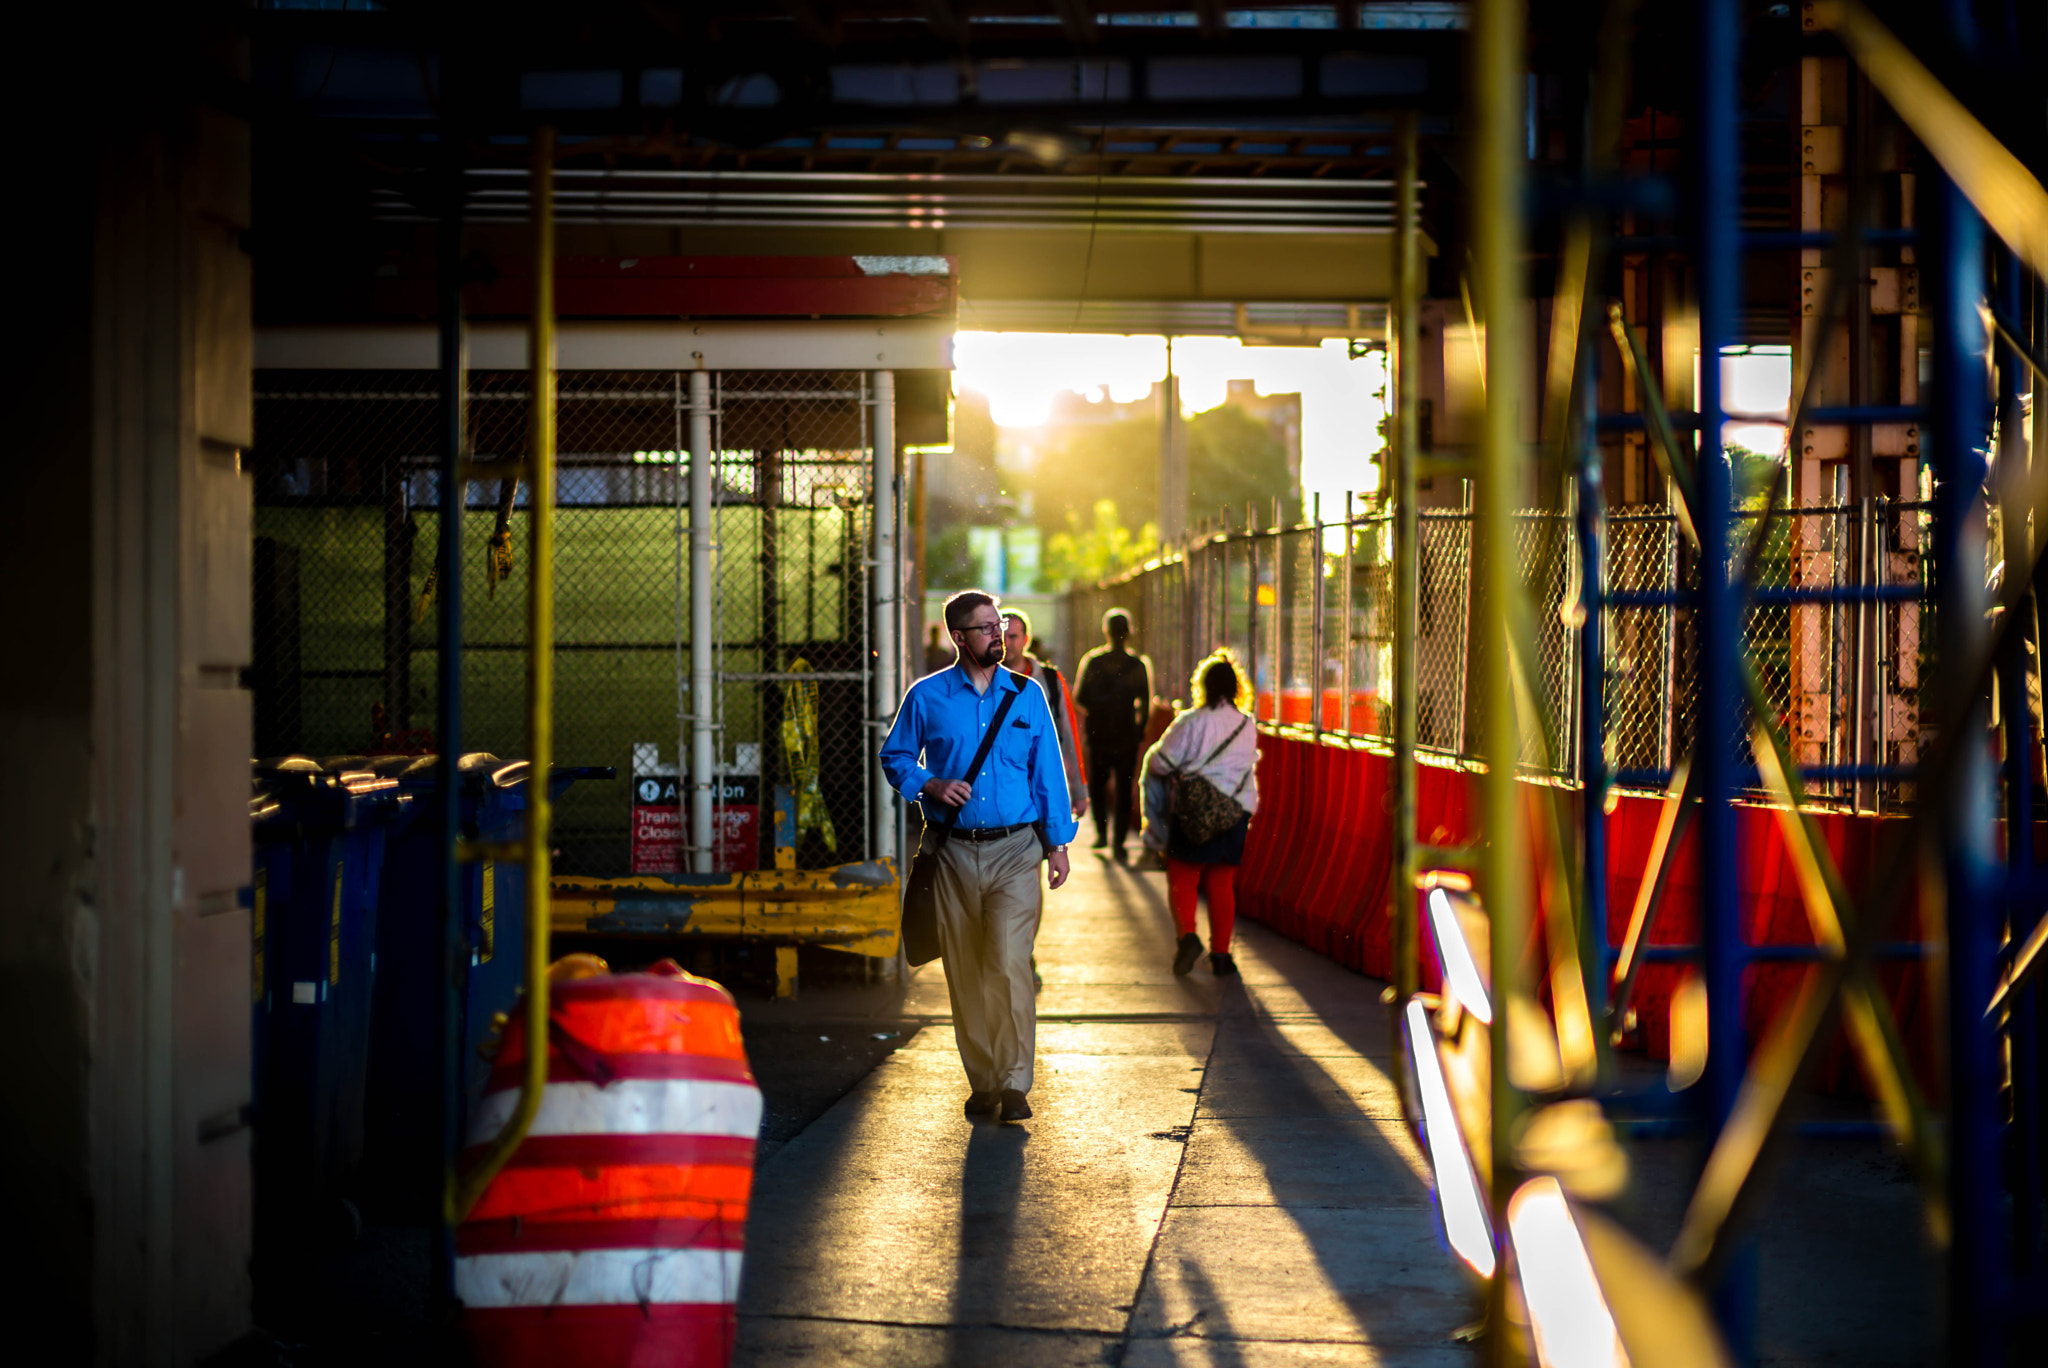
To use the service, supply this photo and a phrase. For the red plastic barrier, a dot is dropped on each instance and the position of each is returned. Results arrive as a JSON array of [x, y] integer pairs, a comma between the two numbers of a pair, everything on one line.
[[1319, 861], [1364, 717]]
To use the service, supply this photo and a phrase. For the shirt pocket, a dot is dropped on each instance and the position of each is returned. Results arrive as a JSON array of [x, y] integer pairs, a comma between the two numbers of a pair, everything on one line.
[[1012, 752]]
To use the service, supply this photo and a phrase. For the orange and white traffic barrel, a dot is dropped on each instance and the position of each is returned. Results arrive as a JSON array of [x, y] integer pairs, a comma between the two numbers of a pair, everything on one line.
[[613, 1235]]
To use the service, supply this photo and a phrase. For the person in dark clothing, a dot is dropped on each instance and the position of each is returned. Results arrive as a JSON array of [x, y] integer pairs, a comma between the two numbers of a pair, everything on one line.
[[1113, 690]]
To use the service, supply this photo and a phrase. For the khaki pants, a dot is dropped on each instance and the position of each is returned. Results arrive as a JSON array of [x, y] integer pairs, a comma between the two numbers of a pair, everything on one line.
[[989, 899]]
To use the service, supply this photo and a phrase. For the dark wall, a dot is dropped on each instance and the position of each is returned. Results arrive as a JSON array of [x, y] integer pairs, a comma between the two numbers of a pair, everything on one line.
[[124, 952], [45, 737]]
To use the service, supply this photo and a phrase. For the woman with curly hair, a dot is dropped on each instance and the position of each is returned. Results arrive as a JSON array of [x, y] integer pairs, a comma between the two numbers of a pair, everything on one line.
[[1212, 742]]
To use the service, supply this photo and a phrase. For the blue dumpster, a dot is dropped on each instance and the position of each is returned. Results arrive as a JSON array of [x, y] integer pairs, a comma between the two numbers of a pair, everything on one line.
[[403, 1100], [320, 837]]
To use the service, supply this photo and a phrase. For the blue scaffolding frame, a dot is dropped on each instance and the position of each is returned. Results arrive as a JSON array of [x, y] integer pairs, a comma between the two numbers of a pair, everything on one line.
[[1992, 898]]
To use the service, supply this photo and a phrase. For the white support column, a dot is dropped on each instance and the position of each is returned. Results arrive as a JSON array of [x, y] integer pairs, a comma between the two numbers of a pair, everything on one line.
[[703, 782], [885, 615]]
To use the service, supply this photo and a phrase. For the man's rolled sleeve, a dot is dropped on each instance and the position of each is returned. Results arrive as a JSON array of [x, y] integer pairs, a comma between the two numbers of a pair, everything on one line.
[[900, 749]]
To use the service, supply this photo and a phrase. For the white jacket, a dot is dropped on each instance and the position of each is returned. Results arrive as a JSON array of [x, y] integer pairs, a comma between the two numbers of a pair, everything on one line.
[[1194, 736]]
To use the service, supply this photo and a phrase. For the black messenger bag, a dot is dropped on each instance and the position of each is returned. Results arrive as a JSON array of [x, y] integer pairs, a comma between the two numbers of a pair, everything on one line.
[[921, 889]]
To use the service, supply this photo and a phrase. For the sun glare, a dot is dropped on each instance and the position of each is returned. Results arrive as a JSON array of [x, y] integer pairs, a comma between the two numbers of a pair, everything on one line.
[[1757, 380], [1341, 399]]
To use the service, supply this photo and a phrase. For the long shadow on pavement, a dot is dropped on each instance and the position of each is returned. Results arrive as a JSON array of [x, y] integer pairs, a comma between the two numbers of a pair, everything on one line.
[[1303, 1213], [991, 1182], [894, 1231]]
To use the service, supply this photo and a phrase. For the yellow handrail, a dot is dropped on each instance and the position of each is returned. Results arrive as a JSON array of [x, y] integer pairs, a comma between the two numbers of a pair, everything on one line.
[[540, 675]]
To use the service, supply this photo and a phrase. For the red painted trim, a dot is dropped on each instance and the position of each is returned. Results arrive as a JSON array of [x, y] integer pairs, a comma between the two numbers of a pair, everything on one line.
[[715, 268], [538, 1236], [506, 1077], [699, 1335], [602, 1151]]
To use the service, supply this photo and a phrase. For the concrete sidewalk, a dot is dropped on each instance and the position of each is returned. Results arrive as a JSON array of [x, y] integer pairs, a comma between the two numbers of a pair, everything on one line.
[[1217, 1174]]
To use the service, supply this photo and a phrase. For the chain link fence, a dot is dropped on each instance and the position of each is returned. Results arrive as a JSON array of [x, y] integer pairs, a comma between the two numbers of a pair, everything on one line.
[[1308, 609], [346, 634], [793, 491], [1643, 669]]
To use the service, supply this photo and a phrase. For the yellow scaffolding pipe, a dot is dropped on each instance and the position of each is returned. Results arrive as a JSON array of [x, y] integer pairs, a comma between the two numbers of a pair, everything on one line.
[[1497, 83], [1407, 564], [540, 672]]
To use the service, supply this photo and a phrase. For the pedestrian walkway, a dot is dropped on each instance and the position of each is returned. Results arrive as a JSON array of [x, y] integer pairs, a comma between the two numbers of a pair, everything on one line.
[[1217, 1174]]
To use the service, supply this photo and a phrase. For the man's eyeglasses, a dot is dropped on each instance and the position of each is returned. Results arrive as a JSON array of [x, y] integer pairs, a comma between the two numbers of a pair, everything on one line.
[[994, 629]]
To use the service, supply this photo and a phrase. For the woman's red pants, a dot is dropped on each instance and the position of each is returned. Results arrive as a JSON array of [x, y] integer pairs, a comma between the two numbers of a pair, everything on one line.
[[1184, 881]]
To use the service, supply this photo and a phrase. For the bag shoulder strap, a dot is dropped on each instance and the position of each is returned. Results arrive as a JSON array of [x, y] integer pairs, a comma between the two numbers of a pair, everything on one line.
[[1244, 779], [988, 741], [1227, 742], [1183, 771]]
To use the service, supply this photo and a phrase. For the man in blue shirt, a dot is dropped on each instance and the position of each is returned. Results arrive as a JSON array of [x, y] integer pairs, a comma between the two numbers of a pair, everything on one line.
[[1015, 814]]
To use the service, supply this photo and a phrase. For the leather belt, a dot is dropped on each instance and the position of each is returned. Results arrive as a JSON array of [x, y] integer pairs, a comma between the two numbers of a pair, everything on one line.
[[981, 834]]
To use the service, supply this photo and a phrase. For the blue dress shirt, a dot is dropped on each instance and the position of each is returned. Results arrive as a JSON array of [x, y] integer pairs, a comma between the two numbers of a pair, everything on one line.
[[940, 726]]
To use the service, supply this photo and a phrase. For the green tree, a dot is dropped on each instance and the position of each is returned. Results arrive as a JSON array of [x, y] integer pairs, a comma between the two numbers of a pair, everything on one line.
[[1081, 465], [1233, 458], [1083, 555], [949, 559], [1752, 473]]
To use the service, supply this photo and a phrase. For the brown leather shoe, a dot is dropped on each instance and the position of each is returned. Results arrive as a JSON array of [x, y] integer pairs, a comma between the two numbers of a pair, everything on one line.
[[1015, 1106], [983, 1103]]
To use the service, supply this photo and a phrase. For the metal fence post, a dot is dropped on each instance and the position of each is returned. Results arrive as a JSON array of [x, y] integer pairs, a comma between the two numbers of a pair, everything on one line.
[[703, 629], [1667, 656], [1251, 601], [1346, 613], [1592, 681], [452, 967], [1462, 745], [1315, 631], [1407, 554], [885, 590]]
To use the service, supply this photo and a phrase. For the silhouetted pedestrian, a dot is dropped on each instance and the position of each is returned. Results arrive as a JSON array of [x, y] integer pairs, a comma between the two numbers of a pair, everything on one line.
[[1113, 690]]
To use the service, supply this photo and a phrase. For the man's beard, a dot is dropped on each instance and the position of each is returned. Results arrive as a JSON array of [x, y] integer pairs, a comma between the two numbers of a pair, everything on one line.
[[993, 657]]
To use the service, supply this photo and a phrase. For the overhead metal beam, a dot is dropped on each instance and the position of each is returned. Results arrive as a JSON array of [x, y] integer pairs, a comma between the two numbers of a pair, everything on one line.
[[760, 81], [829, 344], [865, 199]]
